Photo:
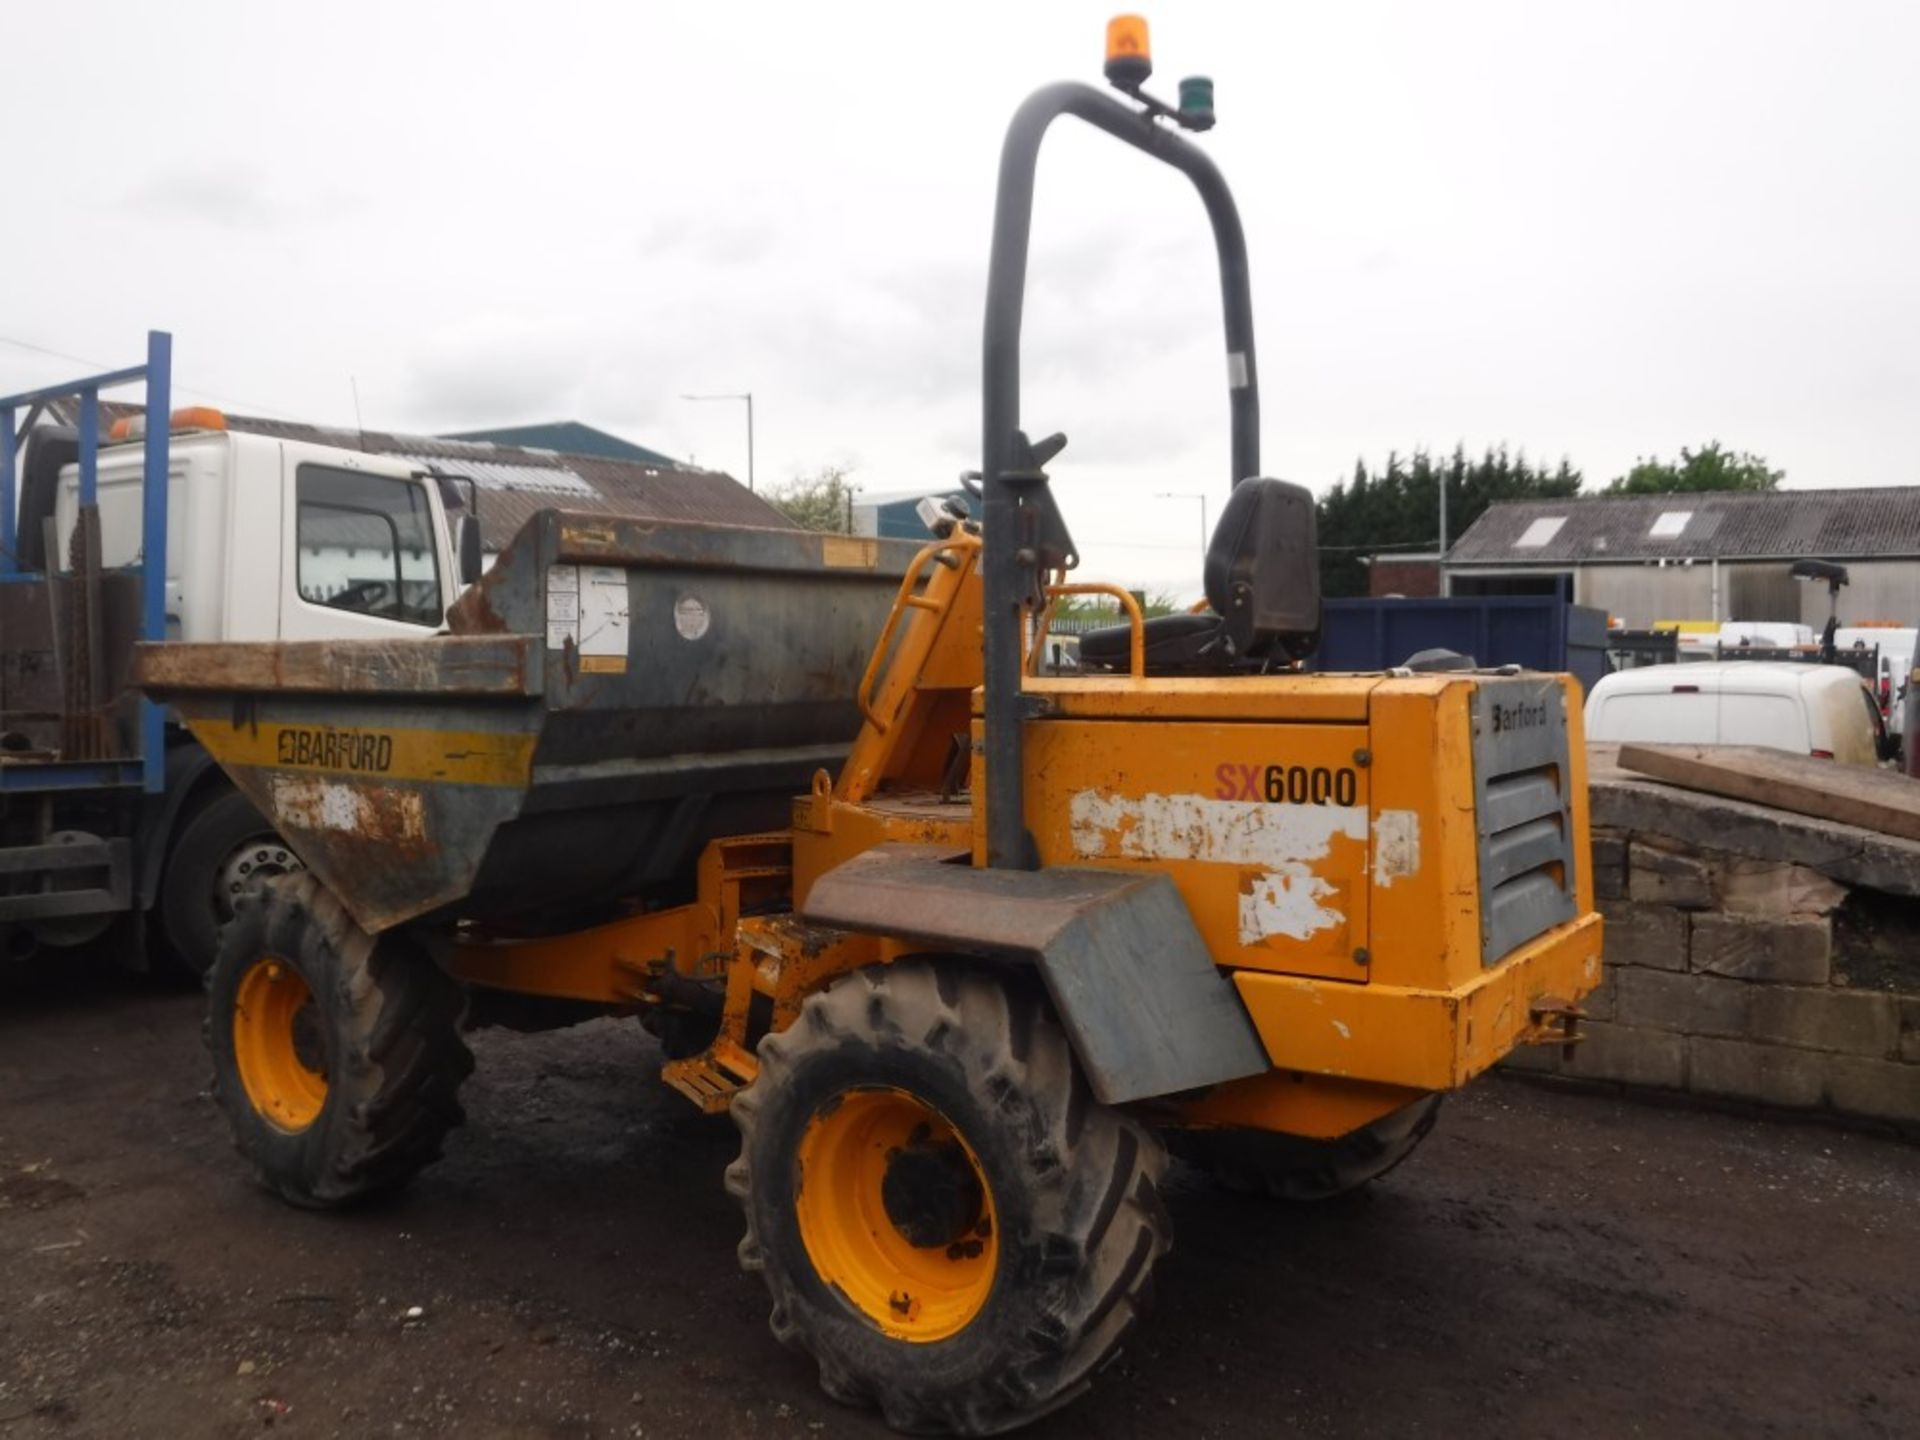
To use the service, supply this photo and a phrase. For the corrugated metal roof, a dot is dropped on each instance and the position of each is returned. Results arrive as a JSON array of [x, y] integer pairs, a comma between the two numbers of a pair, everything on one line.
[[1781, 524], [517, 482], [569, 437], [626, 488]]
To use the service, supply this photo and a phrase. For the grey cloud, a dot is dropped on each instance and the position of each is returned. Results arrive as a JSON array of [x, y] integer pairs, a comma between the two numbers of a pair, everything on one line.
[[492, 371], [918, 334], [705, 239], [480, 389], [235, 198], [508, 369], [1134, 439]]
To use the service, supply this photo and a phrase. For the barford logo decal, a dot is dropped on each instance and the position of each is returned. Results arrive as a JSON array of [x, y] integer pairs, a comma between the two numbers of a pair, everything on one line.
[[1518, 717]]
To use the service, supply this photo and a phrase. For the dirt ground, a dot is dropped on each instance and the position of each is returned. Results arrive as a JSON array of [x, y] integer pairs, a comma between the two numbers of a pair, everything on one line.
[[1550, 1263]]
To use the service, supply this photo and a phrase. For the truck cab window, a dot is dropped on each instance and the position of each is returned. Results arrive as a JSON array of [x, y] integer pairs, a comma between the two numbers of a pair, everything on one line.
[[366, 544]]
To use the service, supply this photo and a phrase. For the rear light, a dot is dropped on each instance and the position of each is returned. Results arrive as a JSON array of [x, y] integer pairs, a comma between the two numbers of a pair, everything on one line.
[[1822, 754], [1686, 689]]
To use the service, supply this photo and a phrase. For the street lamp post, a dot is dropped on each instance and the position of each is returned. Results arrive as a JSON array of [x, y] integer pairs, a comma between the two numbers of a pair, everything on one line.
[[746, 395]]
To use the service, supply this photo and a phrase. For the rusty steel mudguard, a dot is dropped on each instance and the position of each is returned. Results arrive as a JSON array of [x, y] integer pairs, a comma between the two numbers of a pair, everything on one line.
[[1146, 1009]]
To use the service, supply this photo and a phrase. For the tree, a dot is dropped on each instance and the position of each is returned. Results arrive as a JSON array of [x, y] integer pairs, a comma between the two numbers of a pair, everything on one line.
[[1709, 468], [1397, 508], [1101, 610], [820, 501]]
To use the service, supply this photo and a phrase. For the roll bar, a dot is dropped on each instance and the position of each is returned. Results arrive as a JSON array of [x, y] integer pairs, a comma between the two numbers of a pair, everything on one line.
[[1015, 505]]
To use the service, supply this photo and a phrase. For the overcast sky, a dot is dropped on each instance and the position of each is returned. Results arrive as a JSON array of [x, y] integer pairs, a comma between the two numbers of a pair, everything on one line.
[[1596, 231]]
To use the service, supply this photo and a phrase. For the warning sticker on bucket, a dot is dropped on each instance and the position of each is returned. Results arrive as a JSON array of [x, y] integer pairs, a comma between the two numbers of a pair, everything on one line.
[[563, 606], [587, 609], [603, 619]]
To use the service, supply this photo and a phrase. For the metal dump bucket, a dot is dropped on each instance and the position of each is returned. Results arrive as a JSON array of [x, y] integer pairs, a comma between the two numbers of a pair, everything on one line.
[[612, 695]]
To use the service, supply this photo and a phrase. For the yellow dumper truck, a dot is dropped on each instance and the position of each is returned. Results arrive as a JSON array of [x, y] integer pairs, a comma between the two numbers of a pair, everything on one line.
[[962, 946]]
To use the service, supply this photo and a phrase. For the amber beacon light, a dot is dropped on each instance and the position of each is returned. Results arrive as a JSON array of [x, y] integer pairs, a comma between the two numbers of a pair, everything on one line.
[[1129, 59]]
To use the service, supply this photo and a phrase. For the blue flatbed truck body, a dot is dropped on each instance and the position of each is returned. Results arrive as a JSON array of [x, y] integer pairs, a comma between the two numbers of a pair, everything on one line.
[[95, 752]]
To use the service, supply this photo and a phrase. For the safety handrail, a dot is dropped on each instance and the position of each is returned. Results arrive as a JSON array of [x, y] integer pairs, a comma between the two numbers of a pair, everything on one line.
[[904, 600], [1136, 622]]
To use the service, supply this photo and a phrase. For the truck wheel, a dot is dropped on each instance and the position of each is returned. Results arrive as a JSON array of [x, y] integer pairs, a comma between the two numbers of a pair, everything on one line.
[[337, 1058], [1297, 1168], [221, 853], [949, 1223]]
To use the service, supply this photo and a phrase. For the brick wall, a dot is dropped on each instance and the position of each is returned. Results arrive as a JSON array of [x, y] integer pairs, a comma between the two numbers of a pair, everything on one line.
[[1418, 578], [1745, 960]]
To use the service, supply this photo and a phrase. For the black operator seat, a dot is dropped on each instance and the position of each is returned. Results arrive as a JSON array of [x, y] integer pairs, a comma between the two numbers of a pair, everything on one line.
[[1262, 579]]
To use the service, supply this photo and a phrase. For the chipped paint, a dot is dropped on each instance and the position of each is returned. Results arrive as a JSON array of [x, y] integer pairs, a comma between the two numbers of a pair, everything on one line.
[[1341, 1026], [1396, 846], [1195, 827], [382, 812], [1287, 903], [1281, 899]]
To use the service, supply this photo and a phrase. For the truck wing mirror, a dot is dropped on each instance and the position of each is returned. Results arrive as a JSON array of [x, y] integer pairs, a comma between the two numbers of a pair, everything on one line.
[[467, 541]]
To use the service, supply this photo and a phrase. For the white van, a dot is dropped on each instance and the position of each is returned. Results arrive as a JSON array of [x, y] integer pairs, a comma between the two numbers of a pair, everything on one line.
[[1822, 710]]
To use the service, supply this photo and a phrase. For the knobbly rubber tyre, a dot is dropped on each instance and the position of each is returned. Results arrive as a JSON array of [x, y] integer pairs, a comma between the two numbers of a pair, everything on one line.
[[385, 1029], [190, 912], [1073, 1188], [1296, 1168]]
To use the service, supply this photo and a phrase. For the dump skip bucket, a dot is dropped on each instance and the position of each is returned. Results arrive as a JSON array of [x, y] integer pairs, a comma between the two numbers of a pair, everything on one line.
[[612, 694]]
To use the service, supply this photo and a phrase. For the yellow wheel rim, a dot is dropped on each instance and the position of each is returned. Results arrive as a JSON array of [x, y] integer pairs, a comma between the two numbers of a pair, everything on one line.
[[268, 1045], [896, 1213]]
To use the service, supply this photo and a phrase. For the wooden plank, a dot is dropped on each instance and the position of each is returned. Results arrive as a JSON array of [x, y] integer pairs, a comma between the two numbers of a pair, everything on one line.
[[450, 665], [1873, 799]]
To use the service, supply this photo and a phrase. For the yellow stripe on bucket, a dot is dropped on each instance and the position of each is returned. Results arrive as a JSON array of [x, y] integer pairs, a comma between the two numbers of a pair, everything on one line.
[[460, 757]]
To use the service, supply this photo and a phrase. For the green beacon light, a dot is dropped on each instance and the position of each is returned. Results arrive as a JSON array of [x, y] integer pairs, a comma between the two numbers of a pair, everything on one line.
[[1196, 102]]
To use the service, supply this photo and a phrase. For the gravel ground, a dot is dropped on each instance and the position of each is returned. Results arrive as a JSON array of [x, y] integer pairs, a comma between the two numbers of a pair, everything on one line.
[[1550, 1263]]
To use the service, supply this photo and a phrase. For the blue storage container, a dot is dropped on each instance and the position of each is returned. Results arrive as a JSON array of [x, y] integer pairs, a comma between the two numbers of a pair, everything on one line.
[[1540, 632]]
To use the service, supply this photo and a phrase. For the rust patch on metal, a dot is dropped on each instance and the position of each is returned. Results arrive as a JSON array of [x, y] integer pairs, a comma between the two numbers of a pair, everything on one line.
[[386, 819], [595, 538], [473, 613], [1552, 1020], [789, 935]]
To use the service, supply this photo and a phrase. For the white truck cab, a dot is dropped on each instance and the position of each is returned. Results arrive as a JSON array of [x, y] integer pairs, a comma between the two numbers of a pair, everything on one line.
[[271, 539]]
